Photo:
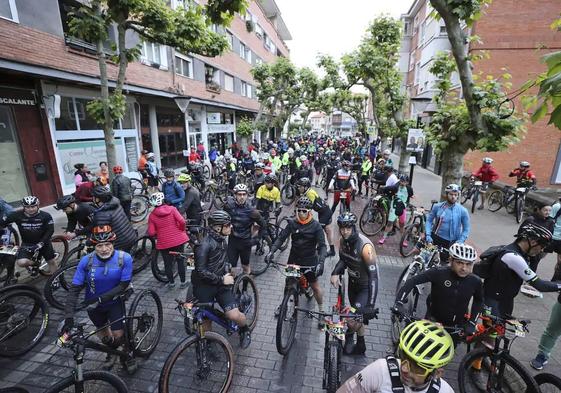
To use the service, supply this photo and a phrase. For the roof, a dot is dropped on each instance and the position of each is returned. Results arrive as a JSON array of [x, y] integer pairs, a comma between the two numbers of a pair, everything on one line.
[[413, 9], [273, 12]]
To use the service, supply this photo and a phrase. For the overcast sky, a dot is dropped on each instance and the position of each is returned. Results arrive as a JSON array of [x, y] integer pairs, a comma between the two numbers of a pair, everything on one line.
[[332, 27]]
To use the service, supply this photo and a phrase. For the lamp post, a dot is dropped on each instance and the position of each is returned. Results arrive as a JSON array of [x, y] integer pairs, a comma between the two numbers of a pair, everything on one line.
[[182, 103]]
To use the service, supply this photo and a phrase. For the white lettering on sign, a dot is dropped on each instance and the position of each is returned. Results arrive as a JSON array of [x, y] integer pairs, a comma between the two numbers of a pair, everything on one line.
[[16, 101]]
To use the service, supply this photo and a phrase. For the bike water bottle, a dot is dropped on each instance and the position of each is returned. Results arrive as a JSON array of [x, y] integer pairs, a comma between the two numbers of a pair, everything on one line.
[[62, 340]]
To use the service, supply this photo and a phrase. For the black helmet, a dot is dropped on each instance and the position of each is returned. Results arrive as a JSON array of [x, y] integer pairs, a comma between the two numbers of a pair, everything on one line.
[[30, 200], [304, 182], [271, 178], [64, 202], [404, 178], [219, 217], [304, 203], [531, 231], [388, 168], [169, 173], [102, 192], [346, 220]]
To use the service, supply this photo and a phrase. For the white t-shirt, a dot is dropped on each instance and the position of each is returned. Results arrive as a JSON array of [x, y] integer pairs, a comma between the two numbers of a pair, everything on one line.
[[392, 180], [375, 378]]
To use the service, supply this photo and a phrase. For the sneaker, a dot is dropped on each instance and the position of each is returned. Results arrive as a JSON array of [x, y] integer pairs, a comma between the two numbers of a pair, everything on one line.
[[391, 233], [184, 285], [539, 361], [481, 207], [405, 244], [109, 362], [349, 343], [245, 337], [382, 240], [331, 253], [170, 285], [277, 312], [360, 347]]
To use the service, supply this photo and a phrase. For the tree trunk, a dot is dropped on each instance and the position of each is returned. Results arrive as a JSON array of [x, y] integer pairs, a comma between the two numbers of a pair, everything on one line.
[[108, 133], [452, 168], [403, 156], [458, 41]]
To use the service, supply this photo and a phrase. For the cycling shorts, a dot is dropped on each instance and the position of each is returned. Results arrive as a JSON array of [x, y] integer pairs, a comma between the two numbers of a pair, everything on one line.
[[222, 294], [112, 313], [26, 251], [324, 216], [358, 297]]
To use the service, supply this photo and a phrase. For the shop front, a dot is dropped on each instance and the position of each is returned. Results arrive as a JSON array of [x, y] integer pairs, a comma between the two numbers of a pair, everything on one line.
[[220, 128]]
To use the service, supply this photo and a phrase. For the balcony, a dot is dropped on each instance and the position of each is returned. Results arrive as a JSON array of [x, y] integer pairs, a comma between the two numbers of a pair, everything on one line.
[[213, 87], [80, 45]]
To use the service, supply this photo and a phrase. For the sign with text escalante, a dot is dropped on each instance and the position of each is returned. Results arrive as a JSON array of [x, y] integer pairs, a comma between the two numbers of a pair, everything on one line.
[[17, 97]]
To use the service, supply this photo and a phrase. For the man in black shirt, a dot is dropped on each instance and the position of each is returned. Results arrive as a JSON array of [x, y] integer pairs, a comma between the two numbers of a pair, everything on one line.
[[36, 228], [76, 213], [192, 206]]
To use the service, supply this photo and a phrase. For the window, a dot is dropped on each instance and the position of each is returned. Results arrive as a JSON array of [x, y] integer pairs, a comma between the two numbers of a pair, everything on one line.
[[212, 78], [242, 50], [67, 119], [151, 52], [273, 48], [214, 27], [249, 92], [8, 10], [244, 88], [259, 30], [228, 82], [406, 27], [248, 17], [230, 39], [184, 65], [423, 31], [443, 30], [417, 73]]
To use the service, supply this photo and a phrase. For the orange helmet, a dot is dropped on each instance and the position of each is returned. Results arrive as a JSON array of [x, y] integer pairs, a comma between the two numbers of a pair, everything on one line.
[[103, 234], [117, 169]]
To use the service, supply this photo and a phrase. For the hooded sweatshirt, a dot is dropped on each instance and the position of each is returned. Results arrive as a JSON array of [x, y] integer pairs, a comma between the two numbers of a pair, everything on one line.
[[168, 226]]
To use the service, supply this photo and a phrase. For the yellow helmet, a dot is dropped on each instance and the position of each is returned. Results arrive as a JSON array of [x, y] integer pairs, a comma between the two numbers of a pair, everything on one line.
[[427, 344], [184, 178]]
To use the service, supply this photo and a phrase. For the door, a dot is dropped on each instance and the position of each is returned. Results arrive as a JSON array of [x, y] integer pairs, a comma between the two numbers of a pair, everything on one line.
[[12, 175]]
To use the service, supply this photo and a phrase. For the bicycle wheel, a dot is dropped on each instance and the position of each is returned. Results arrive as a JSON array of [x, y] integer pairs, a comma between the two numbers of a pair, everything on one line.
[[410, 237], [372, 220], [74, 255], [520, 206], [283, 224], [245, 291], [467, 196], [60, 246], [93, 381], [287, 194], [495, 200], [287, 321], [158, 267], [474, 199], [333, 372], [139, 208], [196, 363], [206, 172], [138, 187], [207, 199], [24, 317], [142, 253], [514, 379], [57, 285], [548, 383], [144, 322], [257, 259]]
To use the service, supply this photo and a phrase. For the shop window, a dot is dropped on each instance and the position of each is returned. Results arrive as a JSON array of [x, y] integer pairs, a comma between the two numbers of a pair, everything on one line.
[[127, 122], [184, 65], [67, 119], [228, 82], [86, 121], [8, 10], [212, 78]]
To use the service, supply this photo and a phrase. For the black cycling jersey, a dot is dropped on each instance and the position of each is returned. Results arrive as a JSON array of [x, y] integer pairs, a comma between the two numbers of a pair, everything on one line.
[[450, 295], [83, 215], [211, 260], [243, 217], [36, 229], [308, 242]]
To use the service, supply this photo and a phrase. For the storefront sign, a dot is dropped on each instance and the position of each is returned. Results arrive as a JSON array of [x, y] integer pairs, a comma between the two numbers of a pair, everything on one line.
[[17, 97], [221, 128], [213, 117]]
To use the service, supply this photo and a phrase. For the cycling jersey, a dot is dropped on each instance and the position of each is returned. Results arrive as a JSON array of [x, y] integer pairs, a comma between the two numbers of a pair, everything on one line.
[[342, 180], [243, 217], [36, 229], [211, 261], [524, 178], [486, 174], [272, 195], [83, 215], [308, 242]]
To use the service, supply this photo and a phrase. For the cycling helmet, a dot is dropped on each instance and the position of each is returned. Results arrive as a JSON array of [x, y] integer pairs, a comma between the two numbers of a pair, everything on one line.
[[387, 152], [381, 161], [524, 164], [388, 168], [346, 220], [404, 178], [64, 202], [427, 344], [531, 231], [117, 169], [184, 178], [30, 200], [304, 203], [219, 217], [169, 173], [303, 158], [290, 150], [265, 156], [240, 188], [102, 192], [452, 188], [103, 234], [463, 252], [304, 182], [487, 160], [157, 199], [259, 165], [150, 155], [346, 163], [271, 178]]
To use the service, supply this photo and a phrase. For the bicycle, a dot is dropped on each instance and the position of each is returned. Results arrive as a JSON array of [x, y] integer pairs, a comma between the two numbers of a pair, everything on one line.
[[24, 318], [500, 198], [138, 328], [140, 207], [344, 201], [158, 267], [477, 187], [520, 204], [9, 237], [548, 383], [205, 358], [266, 240], [288, 192], [414, 231], [374, 216]]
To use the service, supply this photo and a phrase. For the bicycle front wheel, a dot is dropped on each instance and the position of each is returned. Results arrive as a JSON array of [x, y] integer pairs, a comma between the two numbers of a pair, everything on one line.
[[409, 239], [57, 285], [372, 220], [520, 206], [142, 253], [548, 383], [93, 381], [333, 372], [139, 208], [258, 263], [196, 363], [495, 201], [245, 291], [514, 377], [158, 268], [287, 321], [144, 321], [287, 194]]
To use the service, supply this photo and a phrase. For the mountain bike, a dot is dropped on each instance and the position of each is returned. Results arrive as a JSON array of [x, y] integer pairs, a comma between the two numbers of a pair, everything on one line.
[[374, 216], [24, 317], [520, 204], [473, 191], [414, 231], [158, 266], [265, 241], [548, 383], [500, 198], [205, 359], [288, 192]]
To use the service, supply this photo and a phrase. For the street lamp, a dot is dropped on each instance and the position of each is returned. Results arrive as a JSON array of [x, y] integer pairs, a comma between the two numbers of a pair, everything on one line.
[[182, 103]]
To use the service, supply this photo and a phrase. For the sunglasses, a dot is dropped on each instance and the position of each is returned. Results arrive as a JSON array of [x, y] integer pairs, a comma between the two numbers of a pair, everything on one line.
[[414, 369], [303, 211]]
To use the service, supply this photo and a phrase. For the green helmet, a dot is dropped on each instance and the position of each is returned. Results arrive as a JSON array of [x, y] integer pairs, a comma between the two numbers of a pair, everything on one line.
[[184, 178], [427, 344]]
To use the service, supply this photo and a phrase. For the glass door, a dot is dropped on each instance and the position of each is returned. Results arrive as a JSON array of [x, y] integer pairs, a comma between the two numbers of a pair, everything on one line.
[[12, 173]]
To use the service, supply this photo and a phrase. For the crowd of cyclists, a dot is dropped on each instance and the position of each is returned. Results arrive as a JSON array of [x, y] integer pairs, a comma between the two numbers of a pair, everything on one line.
[[463, 287]]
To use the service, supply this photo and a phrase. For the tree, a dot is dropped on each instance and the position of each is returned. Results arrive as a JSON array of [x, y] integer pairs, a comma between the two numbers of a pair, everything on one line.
[[352, 103], [186, 29], [451, 131]]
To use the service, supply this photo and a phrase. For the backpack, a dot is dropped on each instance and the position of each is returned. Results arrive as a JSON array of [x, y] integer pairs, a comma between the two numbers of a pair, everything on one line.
[[120, 262], [484, 267], [397, 385]]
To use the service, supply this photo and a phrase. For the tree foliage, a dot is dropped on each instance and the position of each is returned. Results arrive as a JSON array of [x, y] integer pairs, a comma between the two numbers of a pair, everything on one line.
[[244, 127]]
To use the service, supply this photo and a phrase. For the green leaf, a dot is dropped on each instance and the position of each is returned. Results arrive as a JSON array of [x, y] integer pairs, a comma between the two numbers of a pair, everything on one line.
[[540, 112], [551, 59], [556, 117]]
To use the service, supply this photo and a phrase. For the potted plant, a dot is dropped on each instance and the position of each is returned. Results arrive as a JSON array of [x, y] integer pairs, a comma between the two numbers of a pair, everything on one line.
[[249, 25]]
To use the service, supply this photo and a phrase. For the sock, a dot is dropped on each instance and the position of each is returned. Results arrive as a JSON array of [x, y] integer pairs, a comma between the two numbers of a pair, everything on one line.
[[332, 248]]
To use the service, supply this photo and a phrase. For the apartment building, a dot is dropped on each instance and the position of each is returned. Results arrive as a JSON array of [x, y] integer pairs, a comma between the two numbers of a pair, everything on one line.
[[40, 63], [515, 34]]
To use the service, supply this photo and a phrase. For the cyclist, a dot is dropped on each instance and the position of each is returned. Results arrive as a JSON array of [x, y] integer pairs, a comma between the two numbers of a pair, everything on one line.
[[307, 247], [319, 164], [303, 171], [452, 289], [106, 274], [212, 280], [343, 181], [321, 207], [424, 349], [121, 189], [109, 212], [152, 173], [259, 176], [267, 197], [542, 216], [35, 228], [549, 337], [243, 217], [76, 213], [487, 174], [448, 222], [173, 192], [386, 156], [391, 177], [358, 256], [400, 194], [192, 206], [524, 176], [365, 171], [331, 167], [379, 175]]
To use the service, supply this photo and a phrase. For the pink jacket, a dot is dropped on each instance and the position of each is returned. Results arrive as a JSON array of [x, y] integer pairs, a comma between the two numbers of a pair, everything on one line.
[[168, 226]]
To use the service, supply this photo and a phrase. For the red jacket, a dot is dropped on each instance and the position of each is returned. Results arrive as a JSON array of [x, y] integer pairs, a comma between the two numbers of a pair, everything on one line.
[[168, 226], [486, 174], [523, 177]]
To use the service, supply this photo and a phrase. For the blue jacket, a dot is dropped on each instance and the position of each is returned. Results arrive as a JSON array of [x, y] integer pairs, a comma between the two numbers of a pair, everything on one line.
[[454, 222], [173, 193], [213, 154], [5, 208]]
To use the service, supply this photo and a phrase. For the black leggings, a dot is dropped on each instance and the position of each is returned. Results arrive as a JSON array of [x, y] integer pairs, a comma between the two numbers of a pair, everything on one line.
[[168, 263]]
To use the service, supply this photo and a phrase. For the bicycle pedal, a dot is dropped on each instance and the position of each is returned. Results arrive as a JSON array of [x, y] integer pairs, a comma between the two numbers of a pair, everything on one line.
[[130, 366]]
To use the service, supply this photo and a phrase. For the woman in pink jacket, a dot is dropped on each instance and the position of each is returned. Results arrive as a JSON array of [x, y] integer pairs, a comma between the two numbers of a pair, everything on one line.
[[168, 226]]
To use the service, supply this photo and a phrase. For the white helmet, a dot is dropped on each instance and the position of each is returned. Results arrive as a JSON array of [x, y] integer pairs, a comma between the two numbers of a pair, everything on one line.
[[487, 160], [150, 155], [265, 156], [387, 151], [303, 158], [452, 188], [463, 252], [157, 199], [240, 188], [290, 150]]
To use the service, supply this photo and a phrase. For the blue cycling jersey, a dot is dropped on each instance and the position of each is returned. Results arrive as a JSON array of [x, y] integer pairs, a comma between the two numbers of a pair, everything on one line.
[[100, 277]]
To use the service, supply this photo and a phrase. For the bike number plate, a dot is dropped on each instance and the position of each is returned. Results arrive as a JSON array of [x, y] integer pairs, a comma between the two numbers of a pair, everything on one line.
[[9, 250], [478, 183], [518, 328], [521, 189], [292, 271], [337, 330]]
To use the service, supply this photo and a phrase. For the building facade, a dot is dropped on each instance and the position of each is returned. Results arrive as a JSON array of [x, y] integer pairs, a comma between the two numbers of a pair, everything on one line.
[[515, 35], [41, 62]]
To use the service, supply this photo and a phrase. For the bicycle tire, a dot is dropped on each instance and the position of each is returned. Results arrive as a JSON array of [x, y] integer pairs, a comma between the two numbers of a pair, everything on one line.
[[283, 224], [70, 258], [411, 238], [164, 384], [208, 199], [117, 383], [465, 371], [333, 372], [511, 204], [474, 199], [240, 287], [466, 197], [545, 380], [58, 241], [206, 171], [258, 262], [142, 253], [158, 268], [287, 194], [39, 306], [495, 201], [374, 215], [138, 187], [141, 325], [291, 296], [140, 207], [520, 205], [59, 282], [14, 389]]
